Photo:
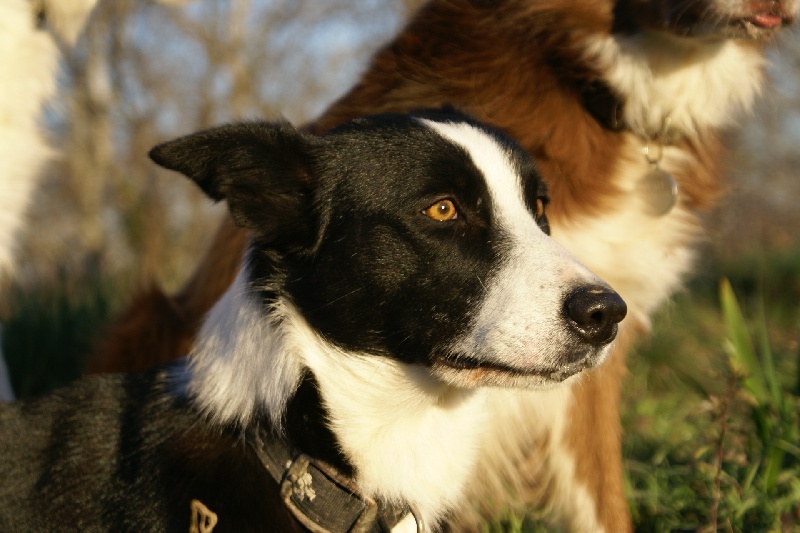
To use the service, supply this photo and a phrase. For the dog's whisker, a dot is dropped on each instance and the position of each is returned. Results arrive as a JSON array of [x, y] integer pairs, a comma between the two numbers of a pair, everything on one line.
[[339, 299], [481, 282]]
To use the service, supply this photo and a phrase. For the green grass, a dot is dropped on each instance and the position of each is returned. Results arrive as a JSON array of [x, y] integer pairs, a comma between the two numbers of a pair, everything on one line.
[[710, 408], [711, 412]]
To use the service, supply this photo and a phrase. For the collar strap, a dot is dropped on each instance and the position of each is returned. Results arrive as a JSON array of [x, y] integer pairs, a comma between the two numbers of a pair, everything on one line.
[[605, 106], [319, 496]]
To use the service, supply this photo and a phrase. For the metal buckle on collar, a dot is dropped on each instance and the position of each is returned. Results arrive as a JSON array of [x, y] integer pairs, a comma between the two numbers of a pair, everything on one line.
[[323, 499], [308, 481], [418, 519], [310, 485]]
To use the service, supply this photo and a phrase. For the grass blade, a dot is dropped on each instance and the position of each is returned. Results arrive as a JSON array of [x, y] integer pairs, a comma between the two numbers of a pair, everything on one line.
[[742, 353]]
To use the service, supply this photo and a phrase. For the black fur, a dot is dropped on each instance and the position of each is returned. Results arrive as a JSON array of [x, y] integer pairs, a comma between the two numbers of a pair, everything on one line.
[[122, 453], [369, 268]]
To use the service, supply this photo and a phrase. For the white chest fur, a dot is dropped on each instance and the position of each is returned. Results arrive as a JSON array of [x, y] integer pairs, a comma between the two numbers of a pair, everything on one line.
[[28, 60], [687, 84], [410, 438]]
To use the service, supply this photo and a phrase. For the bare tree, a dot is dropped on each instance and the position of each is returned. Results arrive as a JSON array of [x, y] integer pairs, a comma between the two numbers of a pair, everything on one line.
[[147, 71], [761, 213]]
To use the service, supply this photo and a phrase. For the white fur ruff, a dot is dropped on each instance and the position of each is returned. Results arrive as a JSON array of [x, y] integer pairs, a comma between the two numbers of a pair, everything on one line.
[[675, 85], [410, 437]]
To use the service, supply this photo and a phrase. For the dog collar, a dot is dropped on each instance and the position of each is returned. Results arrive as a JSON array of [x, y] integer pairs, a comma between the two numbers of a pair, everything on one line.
[[605, 106], [322, 498], [657, 187]]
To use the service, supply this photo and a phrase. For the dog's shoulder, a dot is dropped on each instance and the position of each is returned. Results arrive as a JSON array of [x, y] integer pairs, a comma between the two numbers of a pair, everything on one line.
[[139, 455]]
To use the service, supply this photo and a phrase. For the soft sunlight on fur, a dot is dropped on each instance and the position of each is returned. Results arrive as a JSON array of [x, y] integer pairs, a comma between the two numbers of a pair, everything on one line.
[[585, 87]]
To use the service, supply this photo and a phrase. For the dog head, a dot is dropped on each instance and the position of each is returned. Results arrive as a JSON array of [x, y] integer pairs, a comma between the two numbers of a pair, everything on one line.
[[726, 19], [420, 238]]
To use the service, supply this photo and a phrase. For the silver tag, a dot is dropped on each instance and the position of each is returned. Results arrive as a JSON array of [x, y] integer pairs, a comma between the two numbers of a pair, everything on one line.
[[659, 191]]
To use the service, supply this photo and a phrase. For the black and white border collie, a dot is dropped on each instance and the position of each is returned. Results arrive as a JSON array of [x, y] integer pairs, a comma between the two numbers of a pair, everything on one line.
[[398, 268]]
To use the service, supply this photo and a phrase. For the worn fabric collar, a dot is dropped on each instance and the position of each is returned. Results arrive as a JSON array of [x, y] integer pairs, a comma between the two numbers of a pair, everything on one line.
[[318, 495], [603, 104]]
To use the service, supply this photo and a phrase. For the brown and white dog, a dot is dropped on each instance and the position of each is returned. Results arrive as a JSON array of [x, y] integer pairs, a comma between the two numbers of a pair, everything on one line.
[[622, 104]]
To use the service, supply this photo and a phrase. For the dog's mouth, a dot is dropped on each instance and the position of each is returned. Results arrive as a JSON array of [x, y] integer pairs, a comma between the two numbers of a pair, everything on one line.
[[766, 20], [758, 23], [489, 371], [706, 19], [761, 22]]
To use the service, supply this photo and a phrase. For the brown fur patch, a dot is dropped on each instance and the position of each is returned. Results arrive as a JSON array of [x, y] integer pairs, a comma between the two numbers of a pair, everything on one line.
[[152, 331], [157, 328], [594, 435]]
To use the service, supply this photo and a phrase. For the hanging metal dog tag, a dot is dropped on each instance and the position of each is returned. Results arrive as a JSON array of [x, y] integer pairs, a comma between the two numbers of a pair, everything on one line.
[[659, 191]]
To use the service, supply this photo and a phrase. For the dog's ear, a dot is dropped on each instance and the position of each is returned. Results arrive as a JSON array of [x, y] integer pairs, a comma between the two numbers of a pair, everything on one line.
[[263, 170]]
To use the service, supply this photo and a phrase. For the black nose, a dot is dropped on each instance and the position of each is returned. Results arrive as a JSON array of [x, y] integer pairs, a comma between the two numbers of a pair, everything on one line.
[[594, 313]]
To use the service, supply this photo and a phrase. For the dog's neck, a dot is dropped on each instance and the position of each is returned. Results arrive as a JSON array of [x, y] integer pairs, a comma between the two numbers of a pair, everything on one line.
[[240, 364], [671, 87], [408, 437]]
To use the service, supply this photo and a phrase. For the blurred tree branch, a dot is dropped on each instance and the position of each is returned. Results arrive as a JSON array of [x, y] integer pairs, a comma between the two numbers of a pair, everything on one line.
[[146, 71]]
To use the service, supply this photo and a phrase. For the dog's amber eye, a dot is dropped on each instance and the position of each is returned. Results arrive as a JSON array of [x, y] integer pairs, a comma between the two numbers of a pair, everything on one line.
[[539, 208], [442, 211]]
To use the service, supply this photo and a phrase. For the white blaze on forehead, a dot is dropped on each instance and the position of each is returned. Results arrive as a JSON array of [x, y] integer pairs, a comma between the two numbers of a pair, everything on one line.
[[493, 161], [519, 322], [509, 210]]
